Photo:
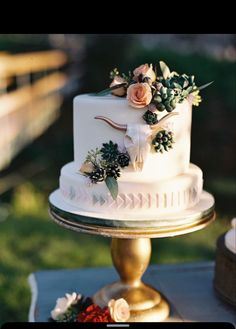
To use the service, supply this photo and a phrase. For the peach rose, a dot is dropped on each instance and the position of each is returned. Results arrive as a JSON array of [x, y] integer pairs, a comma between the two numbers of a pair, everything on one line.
[[146, 71], [119, 91], [119, 310], [139, 95]]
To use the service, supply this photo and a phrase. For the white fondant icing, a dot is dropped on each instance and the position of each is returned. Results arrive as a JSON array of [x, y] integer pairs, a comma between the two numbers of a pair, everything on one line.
[[166, 183], [90, 133], [164, 196], [230, 237], [140, 219]]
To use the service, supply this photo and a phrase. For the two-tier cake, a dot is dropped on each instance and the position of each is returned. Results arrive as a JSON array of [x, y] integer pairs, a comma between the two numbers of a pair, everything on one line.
[[132, 147]]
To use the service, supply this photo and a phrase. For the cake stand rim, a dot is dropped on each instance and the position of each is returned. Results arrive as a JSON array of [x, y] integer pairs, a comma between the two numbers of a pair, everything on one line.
[[63, 218]]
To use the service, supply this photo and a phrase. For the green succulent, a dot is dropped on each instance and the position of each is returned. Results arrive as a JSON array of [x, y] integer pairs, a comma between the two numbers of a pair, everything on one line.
[[166, 99], [163, 141], [172, 89], [150, 117]]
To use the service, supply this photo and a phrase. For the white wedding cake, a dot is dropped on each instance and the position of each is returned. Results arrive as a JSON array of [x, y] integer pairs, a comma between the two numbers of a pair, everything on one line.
[[132, 147]]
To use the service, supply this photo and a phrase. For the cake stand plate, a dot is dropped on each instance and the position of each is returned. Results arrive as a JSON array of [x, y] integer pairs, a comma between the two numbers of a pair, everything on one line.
[[131, 248], [167, 225]]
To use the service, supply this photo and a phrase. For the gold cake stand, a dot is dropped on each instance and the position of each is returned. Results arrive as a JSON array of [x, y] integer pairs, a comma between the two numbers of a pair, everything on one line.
[[131, 252]]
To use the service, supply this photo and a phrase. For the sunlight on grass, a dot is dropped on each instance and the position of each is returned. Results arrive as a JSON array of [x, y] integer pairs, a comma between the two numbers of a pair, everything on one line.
[[31, 241], [26, 200]]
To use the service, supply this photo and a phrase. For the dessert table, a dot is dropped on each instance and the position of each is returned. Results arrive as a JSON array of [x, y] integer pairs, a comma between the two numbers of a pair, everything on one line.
[[188, 287]]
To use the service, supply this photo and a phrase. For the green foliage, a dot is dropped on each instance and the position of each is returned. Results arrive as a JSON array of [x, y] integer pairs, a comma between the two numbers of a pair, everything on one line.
[[93, 156], [112, 186], [107, 162], [172, 89]]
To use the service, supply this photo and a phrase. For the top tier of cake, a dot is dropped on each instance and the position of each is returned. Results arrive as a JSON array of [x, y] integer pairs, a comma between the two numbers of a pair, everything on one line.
[[91, 133]]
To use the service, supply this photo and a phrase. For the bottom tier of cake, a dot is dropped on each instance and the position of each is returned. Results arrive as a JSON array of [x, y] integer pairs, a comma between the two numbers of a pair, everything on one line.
[[163, 196]]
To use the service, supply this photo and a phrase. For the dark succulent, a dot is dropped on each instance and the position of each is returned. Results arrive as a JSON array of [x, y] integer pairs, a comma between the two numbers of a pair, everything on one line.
[[123, 159], [163, 141], [98, 175], [109, 151], [150, 117], [113, 170]]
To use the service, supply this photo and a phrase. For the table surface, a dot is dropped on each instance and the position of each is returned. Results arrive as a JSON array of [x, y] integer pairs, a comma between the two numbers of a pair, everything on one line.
[[188, 288]]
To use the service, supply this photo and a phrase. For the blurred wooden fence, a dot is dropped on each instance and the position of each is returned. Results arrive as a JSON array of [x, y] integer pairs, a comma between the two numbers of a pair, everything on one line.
[[30, 98]]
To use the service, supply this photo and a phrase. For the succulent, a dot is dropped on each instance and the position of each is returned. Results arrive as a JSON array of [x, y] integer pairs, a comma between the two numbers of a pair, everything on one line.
[[109, 151], [163, 141], [98, 175], [166, 99], [123, 160], [150, 117], [173, 90]]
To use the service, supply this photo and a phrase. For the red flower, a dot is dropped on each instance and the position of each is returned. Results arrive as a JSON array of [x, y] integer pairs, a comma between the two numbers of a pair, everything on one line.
[[94, 313]]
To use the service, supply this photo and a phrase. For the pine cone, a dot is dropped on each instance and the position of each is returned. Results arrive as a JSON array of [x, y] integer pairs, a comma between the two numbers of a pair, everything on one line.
[[109, 151], [113, 170], [97, 175], [163, 141], [150, 117], [123, 159]]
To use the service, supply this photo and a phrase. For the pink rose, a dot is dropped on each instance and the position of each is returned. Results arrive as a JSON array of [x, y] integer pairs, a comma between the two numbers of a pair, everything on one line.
[[146, 71], [119, 310], [119, 91], [139, 95]]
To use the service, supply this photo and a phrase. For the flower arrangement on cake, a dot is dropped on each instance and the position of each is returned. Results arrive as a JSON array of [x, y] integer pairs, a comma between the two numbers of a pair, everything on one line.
[[77, 308], [152, 94], [158, 92]]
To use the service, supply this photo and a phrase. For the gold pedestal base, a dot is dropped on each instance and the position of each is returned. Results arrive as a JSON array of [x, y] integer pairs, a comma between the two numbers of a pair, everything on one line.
[[131, 258], [131, 252], [146, 304]]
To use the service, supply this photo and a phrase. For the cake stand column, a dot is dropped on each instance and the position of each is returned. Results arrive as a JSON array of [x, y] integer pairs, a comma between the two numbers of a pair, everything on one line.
[[131, 258]]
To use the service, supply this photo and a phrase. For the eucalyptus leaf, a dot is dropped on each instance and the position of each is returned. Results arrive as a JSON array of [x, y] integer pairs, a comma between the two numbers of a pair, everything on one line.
[[204, 86], [112, 186], [164, 69]]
